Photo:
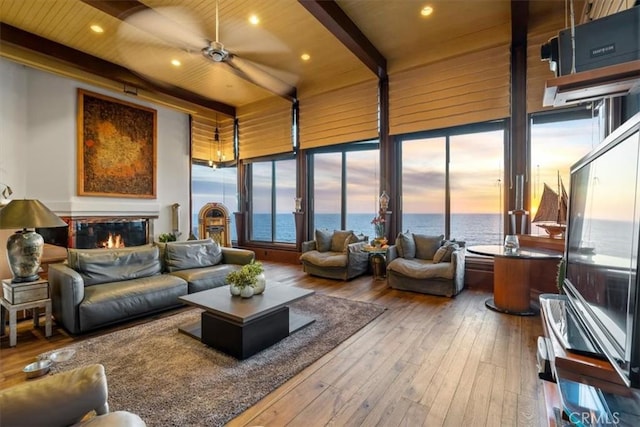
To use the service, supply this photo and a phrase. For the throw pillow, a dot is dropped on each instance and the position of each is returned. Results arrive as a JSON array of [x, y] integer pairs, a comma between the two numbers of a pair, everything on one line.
[[192, 254], [443, 254], [323, 240], [426, 246], [351, 239], [406, 246], [338, 240]]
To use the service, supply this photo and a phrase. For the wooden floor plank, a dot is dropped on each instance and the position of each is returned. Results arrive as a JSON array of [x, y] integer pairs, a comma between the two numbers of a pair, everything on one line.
[[426, 360]]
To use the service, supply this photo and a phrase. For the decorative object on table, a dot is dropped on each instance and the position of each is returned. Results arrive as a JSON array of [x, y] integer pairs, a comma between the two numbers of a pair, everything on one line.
[[167, 237], [511, 243], [551, 215], [24, 248], [116, 147], [378, 226], [247, 281]]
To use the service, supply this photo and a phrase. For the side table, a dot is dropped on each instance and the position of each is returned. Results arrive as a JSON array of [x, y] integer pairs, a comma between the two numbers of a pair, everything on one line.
[[14, 308], [378, 261]]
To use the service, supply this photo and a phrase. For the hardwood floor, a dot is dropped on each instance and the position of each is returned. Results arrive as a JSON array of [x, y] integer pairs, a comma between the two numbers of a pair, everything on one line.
[[425, 361]]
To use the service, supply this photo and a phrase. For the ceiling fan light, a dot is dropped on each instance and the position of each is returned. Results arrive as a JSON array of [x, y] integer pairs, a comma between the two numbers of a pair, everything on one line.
[[216, 52]]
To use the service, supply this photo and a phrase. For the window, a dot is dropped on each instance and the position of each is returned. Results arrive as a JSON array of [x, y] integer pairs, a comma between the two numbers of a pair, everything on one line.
[[558, 140], [213, 185], [451, 183], [273, 192], [345, 187]]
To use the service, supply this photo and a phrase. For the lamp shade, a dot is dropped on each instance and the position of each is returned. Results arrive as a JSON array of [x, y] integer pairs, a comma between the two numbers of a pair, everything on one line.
[[28, 214]]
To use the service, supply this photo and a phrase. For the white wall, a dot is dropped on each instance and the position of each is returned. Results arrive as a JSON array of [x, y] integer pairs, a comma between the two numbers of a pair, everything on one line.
[[38, 149]]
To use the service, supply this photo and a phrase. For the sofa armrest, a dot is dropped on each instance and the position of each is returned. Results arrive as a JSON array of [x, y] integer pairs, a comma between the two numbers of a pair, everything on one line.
[[67, 292], [57, 400], [458, 261], [309, 245], [392, 253], [237, 256]]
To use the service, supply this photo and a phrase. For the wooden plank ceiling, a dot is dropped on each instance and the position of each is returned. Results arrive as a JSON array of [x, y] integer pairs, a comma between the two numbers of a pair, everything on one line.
[[399, 39]]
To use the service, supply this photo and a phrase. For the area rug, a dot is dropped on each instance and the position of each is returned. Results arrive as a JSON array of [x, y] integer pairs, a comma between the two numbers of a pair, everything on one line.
[[171, 379]]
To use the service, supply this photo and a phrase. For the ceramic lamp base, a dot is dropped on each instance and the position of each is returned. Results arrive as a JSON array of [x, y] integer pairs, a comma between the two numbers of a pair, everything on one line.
[[24, 251]]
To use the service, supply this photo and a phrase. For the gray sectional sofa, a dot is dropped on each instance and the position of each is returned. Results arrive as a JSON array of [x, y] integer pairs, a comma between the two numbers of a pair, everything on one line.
[[99, 287]]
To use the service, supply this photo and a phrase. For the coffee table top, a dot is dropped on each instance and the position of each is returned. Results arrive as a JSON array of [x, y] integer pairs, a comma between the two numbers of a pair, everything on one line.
[[242, 310]]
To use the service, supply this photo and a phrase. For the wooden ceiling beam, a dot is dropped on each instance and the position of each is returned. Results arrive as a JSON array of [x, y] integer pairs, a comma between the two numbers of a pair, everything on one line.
[[22, 39], [329, 14], [121, 9]]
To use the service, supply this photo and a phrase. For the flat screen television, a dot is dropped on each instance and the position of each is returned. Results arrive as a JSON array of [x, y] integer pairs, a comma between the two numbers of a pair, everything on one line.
[[603, 234]]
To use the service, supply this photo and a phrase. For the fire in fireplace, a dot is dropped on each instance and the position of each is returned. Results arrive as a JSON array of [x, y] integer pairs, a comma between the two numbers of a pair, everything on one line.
[[114, 241]]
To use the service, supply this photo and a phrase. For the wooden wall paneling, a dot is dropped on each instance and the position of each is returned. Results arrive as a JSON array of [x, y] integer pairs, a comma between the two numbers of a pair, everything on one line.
[[345, 115], [466, 89], [265, 128], [204, 147]]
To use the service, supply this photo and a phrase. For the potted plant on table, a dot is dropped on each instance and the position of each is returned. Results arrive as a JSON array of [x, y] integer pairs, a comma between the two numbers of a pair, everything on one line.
[[247, 281]]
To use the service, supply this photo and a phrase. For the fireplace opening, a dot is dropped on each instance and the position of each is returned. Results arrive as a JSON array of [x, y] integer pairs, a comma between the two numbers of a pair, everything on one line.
[[100, 232]]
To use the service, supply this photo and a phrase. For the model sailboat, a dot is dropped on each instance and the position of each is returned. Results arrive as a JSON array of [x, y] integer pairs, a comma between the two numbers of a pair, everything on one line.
[[552, 211]]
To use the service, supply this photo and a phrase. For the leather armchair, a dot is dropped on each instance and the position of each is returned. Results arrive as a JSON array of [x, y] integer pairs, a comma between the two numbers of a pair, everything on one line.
[[75, 397]]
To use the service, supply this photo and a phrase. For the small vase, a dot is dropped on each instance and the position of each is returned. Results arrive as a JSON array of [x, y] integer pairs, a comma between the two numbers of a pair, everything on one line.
[[261, 283], [235, 290], [246, 292]]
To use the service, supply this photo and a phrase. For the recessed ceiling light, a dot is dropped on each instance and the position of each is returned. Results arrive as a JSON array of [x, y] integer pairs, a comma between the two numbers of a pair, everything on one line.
[[426, 11], [305, 57], [176, 63], [97, 28], [254, 19]]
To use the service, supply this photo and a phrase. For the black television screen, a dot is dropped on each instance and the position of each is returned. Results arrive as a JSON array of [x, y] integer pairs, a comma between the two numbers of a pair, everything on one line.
[[602, 240]]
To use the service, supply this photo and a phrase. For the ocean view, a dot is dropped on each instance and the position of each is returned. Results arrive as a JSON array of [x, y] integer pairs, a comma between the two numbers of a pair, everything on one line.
[[472, 228]]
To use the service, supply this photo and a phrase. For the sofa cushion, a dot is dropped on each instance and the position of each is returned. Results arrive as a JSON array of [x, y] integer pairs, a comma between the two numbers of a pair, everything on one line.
[[113, 302], [406, 245], [422, 269], [323, 240], [201, 279], [426, 246], [443, 254], [325, 259], [339, 240], [108, 265], [192, 254]]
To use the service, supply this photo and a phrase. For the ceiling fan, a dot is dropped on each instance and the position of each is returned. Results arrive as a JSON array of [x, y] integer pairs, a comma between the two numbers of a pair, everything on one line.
[[179, 29]]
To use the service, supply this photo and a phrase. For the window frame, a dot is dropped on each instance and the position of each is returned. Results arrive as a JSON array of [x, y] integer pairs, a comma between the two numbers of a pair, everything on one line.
[[447, 133], [248, 165], [338, 148]]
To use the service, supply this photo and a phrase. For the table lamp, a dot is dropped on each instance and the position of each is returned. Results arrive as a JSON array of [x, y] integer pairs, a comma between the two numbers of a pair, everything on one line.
[[24, 247]]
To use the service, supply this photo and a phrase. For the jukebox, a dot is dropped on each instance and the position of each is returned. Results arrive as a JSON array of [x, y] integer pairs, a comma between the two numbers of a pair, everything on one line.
[[214, 223]]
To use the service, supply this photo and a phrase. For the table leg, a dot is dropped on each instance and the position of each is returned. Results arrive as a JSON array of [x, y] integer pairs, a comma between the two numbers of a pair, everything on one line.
[[13, 331], [3, 317], [35, 312], [48, 319]]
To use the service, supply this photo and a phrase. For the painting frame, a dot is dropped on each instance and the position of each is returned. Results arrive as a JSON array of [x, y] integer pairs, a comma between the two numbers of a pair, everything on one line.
[[116, 147]]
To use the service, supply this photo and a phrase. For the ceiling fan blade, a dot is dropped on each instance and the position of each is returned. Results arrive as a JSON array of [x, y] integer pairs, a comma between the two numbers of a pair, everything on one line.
[[260, 77], [171, 24]]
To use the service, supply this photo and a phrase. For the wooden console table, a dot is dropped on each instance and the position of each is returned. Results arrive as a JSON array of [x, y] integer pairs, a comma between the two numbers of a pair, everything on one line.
[[512, 273]]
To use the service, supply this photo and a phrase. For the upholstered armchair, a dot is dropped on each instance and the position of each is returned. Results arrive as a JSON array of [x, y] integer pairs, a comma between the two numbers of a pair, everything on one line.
[[334, 255], [77, 397], [426, 264]]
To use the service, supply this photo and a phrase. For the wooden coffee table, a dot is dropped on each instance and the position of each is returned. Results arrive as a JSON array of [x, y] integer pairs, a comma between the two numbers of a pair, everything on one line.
[[242, 327]]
